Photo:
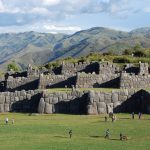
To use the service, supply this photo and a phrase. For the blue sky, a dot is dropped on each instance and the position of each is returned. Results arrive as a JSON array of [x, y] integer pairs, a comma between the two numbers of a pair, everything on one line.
[[69, 16]]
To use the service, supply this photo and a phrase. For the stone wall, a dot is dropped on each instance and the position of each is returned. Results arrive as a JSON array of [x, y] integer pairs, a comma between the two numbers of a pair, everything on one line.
[[128, 81], [73, 68], [63, 102], [108, 68], [144, 69], [19, 101], [75, 102], [97, 80], [119, 101], [22, 83], [56, 81], [95, 102]]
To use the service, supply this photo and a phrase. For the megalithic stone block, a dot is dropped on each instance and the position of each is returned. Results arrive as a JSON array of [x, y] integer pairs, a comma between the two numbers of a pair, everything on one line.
[[41, 106]]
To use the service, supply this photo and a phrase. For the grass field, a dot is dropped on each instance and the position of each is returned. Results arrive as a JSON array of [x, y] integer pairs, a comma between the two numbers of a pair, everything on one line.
[[50, 132]]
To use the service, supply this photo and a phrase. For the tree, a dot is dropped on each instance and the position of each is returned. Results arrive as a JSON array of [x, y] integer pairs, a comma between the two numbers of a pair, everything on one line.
[[127, 52], [139, 53], [137, 47], [13, 66]]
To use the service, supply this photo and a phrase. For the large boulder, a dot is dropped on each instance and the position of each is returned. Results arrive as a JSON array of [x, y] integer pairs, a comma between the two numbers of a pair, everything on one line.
[[41, 106], [48, 108], [1, 108], [2, 99], [91, 110], [6, 108]]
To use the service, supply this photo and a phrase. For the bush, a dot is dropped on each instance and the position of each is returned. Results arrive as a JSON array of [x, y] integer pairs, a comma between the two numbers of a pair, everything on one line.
[[139, 53], [13, 66], [127, 52], [121, 60]]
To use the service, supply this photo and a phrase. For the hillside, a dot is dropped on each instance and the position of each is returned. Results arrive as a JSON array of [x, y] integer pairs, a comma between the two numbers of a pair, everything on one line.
[[38, 48]]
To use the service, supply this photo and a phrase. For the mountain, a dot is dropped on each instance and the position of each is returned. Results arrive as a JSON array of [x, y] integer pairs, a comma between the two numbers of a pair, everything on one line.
[[100, 39], [38, 48], [28, 47]]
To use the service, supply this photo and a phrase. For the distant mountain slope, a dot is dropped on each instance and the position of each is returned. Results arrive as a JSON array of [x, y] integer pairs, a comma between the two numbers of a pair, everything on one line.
[[38, 48], [100, 39]]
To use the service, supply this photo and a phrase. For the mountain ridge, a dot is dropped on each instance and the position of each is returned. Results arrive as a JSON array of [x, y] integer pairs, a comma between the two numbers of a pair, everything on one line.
[[24, 47]]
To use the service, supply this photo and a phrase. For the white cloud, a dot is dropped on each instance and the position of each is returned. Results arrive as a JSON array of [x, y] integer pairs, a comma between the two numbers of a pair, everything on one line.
[[2, 9], [42, 27], [29, 12], [39, 10], [54, 28], [147, 9], [51, 2]]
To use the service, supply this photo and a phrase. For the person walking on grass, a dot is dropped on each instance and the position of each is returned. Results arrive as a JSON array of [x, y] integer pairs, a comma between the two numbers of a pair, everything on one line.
[[107, 134], [132, 115], [70, 134], [6, 120], [105, 118], [121, 136], [13, 121], [140, 115]]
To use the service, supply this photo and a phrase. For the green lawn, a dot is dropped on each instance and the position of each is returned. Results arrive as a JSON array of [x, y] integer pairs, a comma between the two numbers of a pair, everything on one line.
[[50, 132], [81, 89]]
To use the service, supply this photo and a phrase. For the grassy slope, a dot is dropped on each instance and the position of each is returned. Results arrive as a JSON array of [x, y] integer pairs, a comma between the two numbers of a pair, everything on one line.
[[46, 132]]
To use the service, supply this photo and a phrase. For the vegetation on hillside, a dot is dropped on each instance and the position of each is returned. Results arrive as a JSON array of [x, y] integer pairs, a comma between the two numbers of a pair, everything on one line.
[[13, 67], [133, 55]]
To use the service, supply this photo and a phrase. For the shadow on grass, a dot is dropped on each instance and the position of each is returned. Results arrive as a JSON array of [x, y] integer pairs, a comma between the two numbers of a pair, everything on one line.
[[115, 139], [96, 136], [124, 118], [59, 136]]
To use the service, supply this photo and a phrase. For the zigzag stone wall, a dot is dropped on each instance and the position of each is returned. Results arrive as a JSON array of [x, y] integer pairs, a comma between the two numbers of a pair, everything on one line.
[[96, 80], [63, 102], [22, 83], [75, 102], [57, 81], [128, 81], [72, 68], [108, 68], [93, 102], [19, 101]]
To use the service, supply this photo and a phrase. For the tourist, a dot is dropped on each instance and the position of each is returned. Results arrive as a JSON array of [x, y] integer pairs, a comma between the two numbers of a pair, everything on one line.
[[107, 134], [70, 133], [105, 118], [140, 115], [6, 120], [121, 136], [12, 121], [132, 115], [113, 118]]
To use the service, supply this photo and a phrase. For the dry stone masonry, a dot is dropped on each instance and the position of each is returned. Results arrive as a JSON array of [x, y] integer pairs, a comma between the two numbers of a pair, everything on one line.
[[19, 101], [95, 102], [19, 91], [141, 80], [21, 83], [96, 80]]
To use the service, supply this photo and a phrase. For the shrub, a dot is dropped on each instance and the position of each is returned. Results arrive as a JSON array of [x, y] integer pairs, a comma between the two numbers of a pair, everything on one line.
[[121, 60]]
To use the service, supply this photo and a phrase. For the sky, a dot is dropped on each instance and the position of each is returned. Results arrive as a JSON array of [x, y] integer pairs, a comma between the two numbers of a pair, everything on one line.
[[69, 16]]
